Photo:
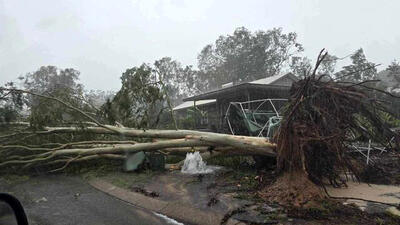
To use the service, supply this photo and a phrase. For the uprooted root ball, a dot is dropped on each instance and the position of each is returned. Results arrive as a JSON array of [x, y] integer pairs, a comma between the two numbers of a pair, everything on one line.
[[322, 119]]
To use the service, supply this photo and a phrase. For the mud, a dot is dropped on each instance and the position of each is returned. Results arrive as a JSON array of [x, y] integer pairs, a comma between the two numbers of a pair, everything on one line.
[[380, 193]]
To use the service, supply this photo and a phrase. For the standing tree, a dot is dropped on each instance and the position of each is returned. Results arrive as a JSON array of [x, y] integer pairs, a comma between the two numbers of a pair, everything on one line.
[[392, 84], [394, 72], [327, 66], [96, 98], [60, 83], [11, 104], [246, 56], [139, 102], [360, 69], [180, 82], [300, 66]]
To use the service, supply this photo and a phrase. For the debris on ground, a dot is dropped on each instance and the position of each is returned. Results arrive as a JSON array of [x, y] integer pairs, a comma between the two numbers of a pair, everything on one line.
[[145, 192]]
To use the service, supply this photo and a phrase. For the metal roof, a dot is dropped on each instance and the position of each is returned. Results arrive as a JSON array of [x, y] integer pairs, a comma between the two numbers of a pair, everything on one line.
[[269, 80], [265, 83], [189, 104]]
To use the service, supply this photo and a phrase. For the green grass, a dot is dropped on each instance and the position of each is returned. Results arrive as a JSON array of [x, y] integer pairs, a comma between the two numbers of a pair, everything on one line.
[[94, 168], [172, 159], [233, 162], [127, 180]]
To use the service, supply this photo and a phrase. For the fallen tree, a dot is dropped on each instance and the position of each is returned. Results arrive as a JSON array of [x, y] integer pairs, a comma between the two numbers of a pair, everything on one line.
[[164, 141], [322, 119], [168, 142]]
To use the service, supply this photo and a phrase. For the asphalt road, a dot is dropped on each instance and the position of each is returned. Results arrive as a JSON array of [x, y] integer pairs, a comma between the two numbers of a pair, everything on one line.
[[66, 200]]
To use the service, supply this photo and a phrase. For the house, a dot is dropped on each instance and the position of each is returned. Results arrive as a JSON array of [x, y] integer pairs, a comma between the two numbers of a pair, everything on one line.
[[214, 103]]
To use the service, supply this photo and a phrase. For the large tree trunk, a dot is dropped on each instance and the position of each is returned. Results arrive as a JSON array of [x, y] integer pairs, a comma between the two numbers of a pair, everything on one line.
[[256, 145], [164, 141]]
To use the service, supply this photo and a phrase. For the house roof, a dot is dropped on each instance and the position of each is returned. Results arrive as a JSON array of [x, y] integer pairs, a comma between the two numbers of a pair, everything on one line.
[[272, 79], [268, 82], [189, 104]]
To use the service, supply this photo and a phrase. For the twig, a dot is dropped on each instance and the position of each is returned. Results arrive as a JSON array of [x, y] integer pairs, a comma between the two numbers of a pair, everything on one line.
[[358, 71], [65, 165], [320, 58]]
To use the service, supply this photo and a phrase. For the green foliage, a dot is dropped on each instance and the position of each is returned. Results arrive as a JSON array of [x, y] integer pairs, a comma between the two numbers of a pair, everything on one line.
[[394, 72], [234, 162], [390, 119], [129, 180], [107, 112], [11, 104], [328, 64], [140, 101], [300, 66], [179, 81], [59, 83], [246, 56], [96, 98], [386, 118], [193, 116], [172, 159], [94, 168], [360, 69]]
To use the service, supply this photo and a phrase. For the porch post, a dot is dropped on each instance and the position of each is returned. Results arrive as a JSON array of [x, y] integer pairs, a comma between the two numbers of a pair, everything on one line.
[[248, 99], [194, 115]]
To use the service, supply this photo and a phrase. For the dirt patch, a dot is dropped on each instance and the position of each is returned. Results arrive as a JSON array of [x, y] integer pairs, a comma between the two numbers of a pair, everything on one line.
[[292, 189]]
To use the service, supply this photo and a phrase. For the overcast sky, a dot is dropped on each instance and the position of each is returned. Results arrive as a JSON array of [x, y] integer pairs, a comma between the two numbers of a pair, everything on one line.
[[101, 38]]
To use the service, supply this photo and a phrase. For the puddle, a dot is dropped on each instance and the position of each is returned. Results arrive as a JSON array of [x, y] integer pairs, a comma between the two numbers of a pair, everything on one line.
[[381, 193]]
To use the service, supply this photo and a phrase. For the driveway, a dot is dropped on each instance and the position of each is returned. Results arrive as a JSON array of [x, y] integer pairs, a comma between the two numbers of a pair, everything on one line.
[[67, 200]]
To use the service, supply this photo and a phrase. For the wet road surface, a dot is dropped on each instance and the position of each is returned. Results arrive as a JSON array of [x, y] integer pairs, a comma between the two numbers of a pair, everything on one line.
[[66, 200]]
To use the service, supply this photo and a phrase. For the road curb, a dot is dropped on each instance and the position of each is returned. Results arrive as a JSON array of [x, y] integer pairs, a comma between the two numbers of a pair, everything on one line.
[[175, 210]]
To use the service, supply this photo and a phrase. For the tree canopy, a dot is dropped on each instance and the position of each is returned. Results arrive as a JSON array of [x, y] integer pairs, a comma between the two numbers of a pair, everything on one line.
[[246, 56], [394, 72], [59, 83], [11, 104], [180, 81], [359, 70], [140, 100]]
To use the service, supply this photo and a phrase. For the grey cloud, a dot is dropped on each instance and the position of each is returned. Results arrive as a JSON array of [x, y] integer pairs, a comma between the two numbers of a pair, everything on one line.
[[102, 38]]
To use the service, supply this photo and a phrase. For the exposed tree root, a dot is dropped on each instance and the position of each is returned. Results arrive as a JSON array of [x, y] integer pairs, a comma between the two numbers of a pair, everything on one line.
[[321, 119]]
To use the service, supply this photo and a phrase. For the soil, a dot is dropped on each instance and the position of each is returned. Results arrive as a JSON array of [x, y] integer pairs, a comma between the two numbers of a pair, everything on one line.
[[293, 189], [236, 193]]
